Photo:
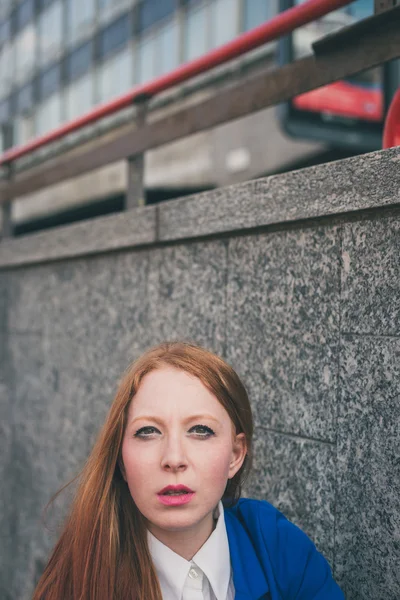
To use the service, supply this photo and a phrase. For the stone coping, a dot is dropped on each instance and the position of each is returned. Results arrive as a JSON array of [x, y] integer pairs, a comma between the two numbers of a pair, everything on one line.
[[353, 184]]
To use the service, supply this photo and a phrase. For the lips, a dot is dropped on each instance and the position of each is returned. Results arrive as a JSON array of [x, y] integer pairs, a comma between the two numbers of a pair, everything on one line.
[[175, 489], [175, 495]]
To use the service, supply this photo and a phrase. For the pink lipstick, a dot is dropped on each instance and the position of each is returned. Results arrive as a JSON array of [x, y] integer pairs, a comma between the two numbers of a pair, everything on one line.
[[175, 495]]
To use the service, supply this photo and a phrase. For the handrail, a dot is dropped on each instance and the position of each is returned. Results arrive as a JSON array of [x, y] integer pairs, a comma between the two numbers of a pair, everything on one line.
[[282, 24]]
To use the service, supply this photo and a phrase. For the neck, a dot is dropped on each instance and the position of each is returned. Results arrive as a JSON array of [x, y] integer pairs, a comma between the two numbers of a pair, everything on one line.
[[185, 543]]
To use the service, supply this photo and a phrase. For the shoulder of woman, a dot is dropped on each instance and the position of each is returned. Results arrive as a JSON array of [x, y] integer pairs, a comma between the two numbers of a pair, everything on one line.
[[297, 565]]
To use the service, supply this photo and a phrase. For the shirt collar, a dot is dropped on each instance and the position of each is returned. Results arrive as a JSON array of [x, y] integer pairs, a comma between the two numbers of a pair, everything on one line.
[[213, 559]]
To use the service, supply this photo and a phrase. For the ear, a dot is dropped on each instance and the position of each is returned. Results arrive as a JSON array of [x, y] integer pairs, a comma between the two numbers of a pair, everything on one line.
[[239, 451]]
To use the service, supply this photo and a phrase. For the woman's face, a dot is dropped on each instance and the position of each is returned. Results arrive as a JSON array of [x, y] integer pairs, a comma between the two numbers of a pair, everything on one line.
[[178, 434]]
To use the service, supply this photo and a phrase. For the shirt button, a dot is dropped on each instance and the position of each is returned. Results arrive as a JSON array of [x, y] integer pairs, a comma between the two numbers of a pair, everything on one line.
[[193, 574]]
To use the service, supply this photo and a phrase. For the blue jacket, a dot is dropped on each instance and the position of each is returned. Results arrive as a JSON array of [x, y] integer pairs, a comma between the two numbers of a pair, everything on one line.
[[272, 559]]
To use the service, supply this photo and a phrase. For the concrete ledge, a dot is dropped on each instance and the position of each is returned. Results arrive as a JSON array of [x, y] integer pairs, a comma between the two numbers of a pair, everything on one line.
[[93, 236], [355, 184]]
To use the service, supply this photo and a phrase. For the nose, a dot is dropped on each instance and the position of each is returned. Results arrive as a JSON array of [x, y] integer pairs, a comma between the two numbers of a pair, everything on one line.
[[174, 456]]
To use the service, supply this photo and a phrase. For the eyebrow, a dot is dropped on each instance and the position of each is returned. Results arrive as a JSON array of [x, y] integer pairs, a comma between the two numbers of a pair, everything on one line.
[[160, 421]]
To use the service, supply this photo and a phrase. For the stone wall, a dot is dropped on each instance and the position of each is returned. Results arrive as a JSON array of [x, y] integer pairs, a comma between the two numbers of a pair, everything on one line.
[[294, 279]]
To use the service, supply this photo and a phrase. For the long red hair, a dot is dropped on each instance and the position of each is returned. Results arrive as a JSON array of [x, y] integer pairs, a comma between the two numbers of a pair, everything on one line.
[[102, 553]]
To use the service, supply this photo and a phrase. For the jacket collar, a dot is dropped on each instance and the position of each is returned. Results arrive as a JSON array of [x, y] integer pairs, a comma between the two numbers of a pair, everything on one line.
[[248, 577]]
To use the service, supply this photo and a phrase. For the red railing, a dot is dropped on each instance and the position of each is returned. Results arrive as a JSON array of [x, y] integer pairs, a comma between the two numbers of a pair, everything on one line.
[[282, 24]]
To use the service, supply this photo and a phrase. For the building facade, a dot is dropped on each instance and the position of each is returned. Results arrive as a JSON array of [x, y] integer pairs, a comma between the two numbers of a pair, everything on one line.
[[60, 58]]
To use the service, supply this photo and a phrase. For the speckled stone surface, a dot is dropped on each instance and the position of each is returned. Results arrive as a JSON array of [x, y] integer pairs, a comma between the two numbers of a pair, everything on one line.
[[6, 433], [103, 234], [283, 326], [371, 277], [368, 501], [297, 476], [188, 299], [337, 187], [4, 287], [29, 467]]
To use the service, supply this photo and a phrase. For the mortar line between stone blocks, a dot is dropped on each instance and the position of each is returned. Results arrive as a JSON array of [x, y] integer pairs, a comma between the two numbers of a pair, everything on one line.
[[296, 436], [157, 224], [369, 335], [225, 344], [24, 332], [336, 413]]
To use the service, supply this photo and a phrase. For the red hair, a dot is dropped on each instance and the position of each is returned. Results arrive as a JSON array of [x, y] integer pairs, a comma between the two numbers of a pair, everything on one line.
[[102, 553]]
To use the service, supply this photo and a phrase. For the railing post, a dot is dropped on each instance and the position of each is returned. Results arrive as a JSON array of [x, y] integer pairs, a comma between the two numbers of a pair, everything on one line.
[[135, 193], [7, 138]]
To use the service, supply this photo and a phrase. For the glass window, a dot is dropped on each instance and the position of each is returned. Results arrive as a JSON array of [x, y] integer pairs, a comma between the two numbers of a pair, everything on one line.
[[23, 129], [80, 18], [49, 81], [167, 54], [25, 47], [79, 97], [115, 75], [6, 68], [48, 115], [24, 13], [114, 36], [256, 12], [24, 98], [50, 32], [196, 31], [146, 59], [151, 11], [5, 31], [44, 3], [225, 20], [79, 61], [4, 111]]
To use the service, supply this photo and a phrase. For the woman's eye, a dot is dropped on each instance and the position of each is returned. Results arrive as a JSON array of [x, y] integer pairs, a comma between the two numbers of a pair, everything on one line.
[[202, 431], [144, 432]]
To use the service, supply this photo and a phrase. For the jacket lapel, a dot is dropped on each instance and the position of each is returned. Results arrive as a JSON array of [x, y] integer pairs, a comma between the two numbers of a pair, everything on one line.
[[248, 577]]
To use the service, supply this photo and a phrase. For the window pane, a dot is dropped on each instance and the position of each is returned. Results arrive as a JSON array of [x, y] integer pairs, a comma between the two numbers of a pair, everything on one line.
[[24, 13], [79, 97], [50, 32], [4, 111], [24, 98], [6, 68], [25, 46], [114, 36], [79, 61], [115, 75], [255, 13], [5, 31], [23, 129], [196, 32], [146, 59], [48, 115], [80, 17], [49, 81], [151, 11], [225, 15], [167, 55]]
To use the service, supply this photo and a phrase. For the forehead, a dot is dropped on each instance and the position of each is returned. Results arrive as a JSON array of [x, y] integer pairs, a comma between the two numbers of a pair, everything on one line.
[[169, 391]]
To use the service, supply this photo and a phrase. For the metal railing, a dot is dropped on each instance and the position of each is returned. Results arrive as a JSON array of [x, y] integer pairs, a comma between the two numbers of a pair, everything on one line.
[[366, 44]]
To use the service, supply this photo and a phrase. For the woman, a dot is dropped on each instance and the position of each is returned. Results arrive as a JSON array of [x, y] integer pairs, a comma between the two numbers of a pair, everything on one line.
[[158, 514]]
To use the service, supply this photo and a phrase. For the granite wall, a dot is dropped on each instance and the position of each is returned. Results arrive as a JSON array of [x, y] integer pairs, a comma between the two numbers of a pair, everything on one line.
[[293, 279]]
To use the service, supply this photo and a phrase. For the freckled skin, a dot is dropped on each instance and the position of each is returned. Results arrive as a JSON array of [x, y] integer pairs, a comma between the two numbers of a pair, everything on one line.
[[174, 447]]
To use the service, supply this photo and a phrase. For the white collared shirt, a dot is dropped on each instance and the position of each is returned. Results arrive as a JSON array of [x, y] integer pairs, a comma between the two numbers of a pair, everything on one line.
[[208, 576]]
